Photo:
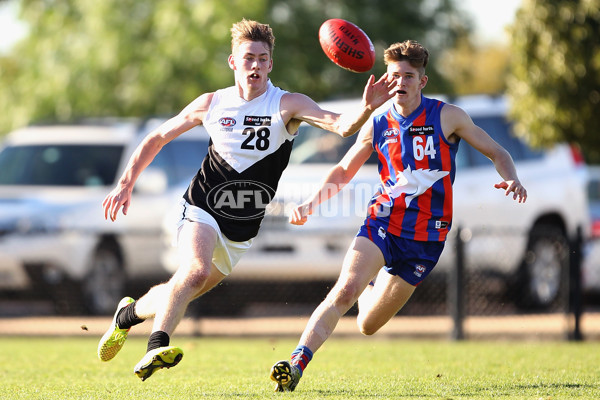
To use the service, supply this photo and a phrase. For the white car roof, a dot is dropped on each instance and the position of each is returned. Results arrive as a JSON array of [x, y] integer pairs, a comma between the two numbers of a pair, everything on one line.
[[72, 134], [483, 105], [119, 132]]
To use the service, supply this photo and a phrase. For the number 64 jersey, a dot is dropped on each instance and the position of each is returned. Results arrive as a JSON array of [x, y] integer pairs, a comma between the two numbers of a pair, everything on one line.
[[249, 149], [417, 168]]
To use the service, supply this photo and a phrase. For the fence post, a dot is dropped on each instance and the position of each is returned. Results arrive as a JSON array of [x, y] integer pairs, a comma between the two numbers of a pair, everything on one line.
[[456, 303], [575, 307]]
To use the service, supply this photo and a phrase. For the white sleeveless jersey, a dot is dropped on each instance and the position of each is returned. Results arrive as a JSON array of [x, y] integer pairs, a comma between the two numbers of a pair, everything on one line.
[[248, 151]]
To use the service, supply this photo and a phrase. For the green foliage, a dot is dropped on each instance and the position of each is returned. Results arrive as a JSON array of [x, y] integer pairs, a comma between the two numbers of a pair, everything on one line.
[[117, 57], [366, 368], [556, 68], [300, 65], [85, 58], [476, 69]]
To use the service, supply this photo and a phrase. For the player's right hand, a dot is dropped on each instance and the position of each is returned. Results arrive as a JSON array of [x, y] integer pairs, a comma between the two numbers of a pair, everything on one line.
[[113, 202], [300, 214]]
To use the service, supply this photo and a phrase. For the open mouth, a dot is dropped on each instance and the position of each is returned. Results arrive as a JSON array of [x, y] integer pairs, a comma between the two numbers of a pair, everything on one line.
[[254, 76], [401, 92]]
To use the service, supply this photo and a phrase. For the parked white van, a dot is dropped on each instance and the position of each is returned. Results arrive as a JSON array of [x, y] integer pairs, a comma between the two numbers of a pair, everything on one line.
[[53, 235]]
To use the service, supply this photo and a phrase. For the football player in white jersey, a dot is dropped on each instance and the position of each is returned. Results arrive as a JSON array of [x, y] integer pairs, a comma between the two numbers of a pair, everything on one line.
[[252, 146]]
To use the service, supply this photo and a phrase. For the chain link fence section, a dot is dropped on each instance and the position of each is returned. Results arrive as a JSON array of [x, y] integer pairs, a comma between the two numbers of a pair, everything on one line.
[[546, 280]]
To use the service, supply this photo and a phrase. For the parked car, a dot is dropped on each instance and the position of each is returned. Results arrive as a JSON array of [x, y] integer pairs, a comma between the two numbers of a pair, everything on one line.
[[525, 243], [53, 234]]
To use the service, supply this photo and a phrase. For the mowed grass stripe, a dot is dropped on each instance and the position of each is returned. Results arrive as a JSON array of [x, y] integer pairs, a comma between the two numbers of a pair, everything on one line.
[[365, 368]]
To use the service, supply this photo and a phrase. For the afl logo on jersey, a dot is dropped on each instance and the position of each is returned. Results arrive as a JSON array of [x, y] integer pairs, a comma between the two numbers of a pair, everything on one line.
[[227, 122], [420, 270], [240, 200], [391, 133]]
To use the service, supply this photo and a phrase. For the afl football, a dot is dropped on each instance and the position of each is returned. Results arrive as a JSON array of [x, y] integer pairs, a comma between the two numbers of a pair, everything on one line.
[[347, 45]]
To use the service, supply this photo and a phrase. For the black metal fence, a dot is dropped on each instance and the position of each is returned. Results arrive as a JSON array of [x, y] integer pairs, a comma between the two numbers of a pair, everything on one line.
[[479, 292], [540, 275], [543, 278]]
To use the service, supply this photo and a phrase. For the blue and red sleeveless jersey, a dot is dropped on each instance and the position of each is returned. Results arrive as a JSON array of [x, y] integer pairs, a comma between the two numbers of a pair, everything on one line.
[[417, 168]]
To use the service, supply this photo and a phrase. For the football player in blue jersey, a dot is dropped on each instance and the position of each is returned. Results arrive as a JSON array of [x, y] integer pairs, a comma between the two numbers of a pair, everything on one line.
[[408, 218]]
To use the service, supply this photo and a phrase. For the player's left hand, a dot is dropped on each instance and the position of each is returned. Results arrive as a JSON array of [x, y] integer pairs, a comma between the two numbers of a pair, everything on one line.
[[377, 93], [515, 188]]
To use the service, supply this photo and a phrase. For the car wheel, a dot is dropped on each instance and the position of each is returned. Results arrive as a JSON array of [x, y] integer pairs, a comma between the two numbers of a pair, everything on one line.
[[105, 283], [543, 274]]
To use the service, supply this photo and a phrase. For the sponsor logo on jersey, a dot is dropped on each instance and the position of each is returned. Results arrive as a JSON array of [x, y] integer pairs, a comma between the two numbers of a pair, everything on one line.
[[257, 120], [441, 224], [420, 270], [391, 133], [227, 122], [421, 130], [240, 199], [381, 232]]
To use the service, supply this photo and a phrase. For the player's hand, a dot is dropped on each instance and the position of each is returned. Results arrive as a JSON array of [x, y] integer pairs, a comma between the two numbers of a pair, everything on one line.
[[515, 188], [117, 198], [300, 214], [377, 93]]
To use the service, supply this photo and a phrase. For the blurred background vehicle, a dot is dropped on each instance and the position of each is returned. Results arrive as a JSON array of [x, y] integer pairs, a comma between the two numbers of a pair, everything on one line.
[[524, 244], [591, 261], [54, 240]]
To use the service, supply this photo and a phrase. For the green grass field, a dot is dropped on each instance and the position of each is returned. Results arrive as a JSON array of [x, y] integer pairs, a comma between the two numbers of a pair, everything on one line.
[[369, 368]]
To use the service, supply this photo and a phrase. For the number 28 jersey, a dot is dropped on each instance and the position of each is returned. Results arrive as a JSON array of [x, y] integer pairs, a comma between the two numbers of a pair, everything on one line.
[[249, 149], [417, 168]]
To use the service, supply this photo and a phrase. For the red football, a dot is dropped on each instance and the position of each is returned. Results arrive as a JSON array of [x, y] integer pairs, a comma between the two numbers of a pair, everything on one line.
[[347, 45]]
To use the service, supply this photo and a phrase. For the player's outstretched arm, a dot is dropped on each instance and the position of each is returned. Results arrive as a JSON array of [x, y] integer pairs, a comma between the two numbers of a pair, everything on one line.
[[120, 197], [337, 177], [458, 121], [302, 108]]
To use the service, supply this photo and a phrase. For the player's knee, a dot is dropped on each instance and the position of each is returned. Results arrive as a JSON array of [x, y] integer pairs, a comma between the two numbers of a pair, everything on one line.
[[192, 274], [345, 296], [366, 331], [365, 326]]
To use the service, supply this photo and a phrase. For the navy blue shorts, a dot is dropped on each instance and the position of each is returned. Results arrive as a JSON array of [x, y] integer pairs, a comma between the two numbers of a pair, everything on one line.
[[409, 259]]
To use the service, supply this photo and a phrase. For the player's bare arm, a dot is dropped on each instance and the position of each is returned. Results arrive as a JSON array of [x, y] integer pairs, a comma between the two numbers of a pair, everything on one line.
[[120, 196], [457, 123], [338, 176], [296, 108]]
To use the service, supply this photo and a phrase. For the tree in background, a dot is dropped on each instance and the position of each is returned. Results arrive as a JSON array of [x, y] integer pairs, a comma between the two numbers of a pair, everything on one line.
[[472, 68], [116, 58], [302, 66], [555, 89], [85, 58]]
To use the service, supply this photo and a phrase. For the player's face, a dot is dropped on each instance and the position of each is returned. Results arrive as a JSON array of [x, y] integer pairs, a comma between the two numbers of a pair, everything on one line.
[[409, 82], [252, 63]]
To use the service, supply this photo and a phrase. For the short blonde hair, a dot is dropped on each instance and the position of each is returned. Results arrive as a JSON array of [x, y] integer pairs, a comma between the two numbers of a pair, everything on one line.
[[410, 51], [248, 30]]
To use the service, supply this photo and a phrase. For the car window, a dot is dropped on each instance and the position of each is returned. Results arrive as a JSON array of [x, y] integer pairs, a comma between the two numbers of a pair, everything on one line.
[[593, 191], [59, 165], [501, 131], [181, 159], [317, 146]]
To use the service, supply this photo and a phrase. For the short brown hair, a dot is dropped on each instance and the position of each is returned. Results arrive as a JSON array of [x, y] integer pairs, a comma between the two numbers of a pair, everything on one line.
[[410, 51], [248, 30]]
